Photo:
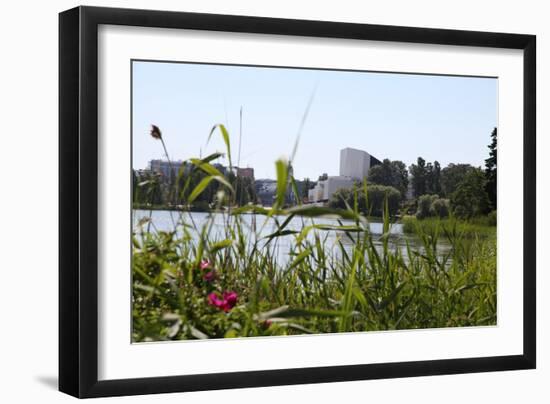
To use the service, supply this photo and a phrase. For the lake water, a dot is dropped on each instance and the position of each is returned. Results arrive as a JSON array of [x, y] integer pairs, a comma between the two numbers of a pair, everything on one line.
[[163, 220]]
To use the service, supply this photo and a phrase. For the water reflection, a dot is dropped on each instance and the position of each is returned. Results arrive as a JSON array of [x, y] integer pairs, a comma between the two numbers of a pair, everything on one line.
[[260, 226]]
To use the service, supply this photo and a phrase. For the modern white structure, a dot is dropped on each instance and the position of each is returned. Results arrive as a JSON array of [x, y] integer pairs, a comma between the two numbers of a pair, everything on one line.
[[356, 163], [354, 166], [325, 189]]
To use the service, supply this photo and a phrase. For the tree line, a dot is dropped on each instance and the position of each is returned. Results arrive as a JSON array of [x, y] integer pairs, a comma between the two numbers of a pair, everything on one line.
[[150, 188], [462, 189]]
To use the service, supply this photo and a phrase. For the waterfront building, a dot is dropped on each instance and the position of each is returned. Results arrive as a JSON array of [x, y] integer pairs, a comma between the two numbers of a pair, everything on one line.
[[354, 167], [356, 163], [163, 167]]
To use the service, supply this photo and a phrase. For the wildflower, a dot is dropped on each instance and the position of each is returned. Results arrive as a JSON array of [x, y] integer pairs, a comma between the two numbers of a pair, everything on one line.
[[226, 302], [214, 300], [230, 299], [155, 132], [209, 276], [205, 264]]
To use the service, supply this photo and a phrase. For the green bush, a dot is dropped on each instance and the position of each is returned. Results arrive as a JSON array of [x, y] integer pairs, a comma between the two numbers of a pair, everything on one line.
[[425, 205], [376, 197], [440, 208], [432, 205]]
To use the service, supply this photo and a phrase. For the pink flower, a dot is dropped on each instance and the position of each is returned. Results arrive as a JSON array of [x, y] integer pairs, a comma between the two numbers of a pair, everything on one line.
[[230, 299], [226, 302], [205, 264], [209, 276], [214, 300]]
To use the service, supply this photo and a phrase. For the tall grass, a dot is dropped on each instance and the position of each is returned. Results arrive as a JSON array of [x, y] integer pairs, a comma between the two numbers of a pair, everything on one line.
[[477, 227], [193, 282]]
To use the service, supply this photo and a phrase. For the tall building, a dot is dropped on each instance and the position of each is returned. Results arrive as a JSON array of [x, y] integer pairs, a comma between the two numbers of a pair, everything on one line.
[[356, 163], [354, 166]]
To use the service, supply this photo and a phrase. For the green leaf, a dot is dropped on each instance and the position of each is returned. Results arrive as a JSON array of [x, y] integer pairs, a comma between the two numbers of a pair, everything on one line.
[[206, 167], [321, 211], [391, 297], [287, 312], [220, 245], [200, 188], [300, 258], [257, 209], [212, 157], [348, 299], [281, 168], [295, 191], [225, 136]]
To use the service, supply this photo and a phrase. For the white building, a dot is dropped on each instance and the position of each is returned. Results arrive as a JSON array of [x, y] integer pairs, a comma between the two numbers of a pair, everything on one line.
[[315, 194], [355, 163], [325, 189], [354, 166]]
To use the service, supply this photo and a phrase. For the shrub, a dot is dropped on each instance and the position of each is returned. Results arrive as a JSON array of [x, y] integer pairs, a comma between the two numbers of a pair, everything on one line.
[[409, 207], [440, 208], [425, 205], [376, 196]]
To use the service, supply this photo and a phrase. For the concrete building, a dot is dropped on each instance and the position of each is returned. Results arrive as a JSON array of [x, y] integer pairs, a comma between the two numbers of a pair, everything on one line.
[[324, 190], [316, 193], [354, 166], [163, 167], [356, 163]]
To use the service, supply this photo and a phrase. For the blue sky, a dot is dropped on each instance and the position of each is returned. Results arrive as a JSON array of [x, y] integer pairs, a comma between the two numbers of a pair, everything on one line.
[[395, 116]]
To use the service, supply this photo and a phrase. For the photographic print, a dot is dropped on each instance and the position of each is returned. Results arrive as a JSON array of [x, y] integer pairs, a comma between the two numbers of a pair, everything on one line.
[[280, 201]]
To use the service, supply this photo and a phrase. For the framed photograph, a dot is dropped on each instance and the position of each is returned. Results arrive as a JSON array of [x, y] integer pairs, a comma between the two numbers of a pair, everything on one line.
[[251, 201]]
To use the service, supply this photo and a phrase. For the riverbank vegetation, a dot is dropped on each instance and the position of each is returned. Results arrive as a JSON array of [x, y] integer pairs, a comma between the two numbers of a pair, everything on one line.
[[192, 282]]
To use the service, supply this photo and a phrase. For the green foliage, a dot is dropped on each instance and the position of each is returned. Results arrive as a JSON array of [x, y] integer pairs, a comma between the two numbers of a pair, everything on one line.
[[373, 204], [451, 177], [433, 178], [147, 188], [390, 173], [425, 206], [470, 197], [432, 205], [189, 284], [478, 227], [492, 218], [419, 177], [491, 170], [363, 287], [440, 208], [426, 177]]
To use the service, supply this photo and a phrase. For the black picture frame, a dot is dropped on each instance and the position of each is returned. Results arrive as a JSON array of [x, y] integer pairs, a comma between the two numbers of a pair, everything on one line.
[[78, 201]]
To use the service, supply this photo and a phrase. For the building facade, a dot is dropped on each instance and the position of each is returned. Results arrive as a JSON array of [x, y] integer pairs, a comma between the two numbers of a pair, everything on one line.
[[354, 166], [163, 167], [356, 163]]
